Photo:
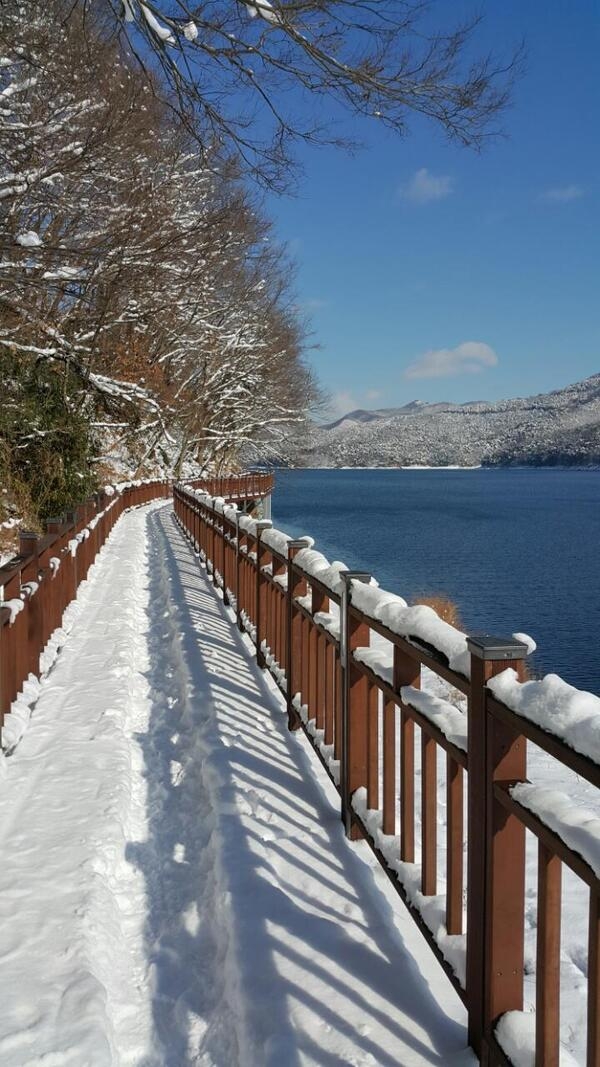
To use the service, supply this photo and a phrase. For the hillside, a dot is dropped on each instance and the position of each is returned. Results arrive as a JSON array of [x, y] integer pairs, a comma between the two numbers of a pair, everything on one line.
[[558, 428]]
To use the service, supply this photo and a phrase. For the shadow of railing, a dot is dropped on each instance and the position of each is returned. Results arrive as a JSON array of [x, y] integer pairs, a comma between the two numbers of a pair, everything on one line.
[[245, 862]]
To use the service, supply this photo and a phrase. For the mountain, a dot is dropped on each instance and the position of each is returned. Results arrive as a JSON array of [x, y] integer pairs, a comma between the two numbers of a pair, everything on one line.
[[558, 428]]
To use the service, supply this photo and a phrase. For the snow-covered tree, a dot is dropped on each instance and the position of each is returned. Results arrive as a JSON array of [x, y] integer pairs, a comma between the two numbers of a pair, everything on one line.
[[134, 271], [256, 76]]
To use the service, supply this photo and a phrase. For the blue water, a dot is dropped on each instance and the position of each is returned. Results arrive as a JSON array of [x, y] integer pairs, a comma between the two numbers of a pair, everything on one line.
[[517, 550]]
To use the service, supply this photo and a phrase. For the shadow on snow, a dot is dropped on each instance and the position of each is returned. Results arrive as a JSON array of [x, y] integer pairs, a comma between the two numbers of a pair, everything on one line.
[[239, 949]]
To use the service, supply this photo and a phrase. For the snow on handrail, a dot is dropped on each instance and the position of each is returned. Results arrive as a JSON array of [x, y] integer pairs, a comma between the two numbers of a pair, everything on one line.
[[360, 670]]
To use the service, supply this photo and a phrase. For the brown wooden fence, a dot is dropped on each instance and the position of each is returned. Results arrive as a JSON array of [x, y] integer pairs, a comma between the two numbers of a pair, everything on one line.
[[236, 487], [318, 639], [38, 584]]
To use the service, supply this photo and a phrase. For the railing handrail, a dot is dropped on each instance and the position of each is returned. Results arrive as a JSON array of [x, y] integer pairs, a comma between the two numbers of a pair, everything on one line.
[[338, 700], [39, 582], [242, 486]]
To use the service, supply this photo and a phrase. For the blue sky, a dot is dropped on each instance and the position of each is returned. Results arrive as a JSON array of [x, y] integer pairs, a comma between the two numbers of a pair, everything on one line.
[[413, 249]]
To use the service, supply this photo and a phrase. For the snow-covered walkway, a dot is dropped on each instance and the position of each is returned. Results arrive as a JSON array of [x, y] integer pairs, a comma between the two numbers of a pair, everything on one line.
[[175, 886]]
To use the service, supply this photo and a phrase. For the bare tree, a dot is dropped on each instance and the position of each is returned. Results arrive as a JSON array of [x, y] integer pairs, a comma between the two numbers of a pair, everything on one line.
[[229, 66]]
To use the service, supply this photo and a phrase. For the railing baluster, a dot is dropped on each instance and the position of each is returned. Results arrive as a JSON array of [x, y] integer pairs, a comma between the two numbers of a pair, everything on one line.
[[454, 846], [593, 1003], [428, 815], [407, 671], [355, 721], [313, 667], [338, 707], [389, 767], [296, 586], [262, 558], [329, 692], [373, 748], [321, 689], [547, 982]]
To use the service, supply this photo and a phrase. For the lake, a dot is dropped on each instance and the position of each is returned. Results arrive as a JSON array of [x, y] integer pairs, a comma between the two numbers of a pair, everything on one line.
[[515, 549]]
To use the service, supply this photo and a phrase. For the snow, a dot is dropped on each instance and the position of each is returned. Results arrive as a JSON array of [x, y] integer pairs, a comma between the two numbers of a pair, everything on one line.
[[162, 32], [432, 909], [204, 905], [316, 565], [420, 622], [448, 719], [17, 722], [578, 828], [329, 620], [516, 1035], [29, 239], [15, 605], [570, 714], [247, 524], [63, 274], [265, 9], [526, 640], [277, 540], [305, 602], [379, 660], [190, 31]]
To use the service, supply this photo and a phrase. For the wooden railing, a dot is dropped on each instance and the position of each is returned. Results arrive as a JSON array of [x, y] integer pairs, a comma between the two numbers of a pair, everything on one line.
[[235, 487], [37, 585], [352, 681]]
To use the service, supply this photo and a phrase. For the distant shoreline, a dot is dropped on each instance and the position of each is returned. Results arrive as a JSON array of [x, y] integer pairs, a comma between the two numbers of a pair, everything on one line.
[[457, 467]]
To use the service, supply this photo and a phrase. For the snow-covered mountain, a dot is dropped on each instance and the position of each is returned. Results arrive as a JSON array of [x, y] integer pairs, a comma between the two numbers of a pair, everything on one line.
[[562, 427]]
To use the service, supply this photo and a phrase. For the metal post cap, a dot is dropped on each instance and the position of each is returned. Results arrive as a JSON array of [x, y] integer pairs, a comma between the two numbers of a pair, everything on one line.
[[490, 647], [355, 576]]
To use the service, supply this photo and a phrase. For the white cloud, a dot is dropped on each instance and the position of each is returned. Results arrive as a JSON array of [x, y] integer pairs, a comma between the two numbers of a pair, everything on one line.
[[563, 194], [342, 403], [424, 187], [470, 357]]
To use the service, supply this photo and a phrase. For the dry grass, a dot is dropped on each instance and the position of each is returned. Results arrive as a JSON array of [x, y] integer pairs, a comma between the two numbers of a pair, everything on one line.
[[444, 607], [449, 612]]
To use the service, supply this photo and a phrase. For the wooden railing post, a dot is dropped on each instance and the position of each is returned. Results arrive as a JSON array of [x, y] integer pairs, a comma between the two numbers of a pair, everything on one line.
[[238, 575], [496, 856], [29, 546], [355, 709], [296, 586], [28, 543], [261, 553], [56, 579]]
